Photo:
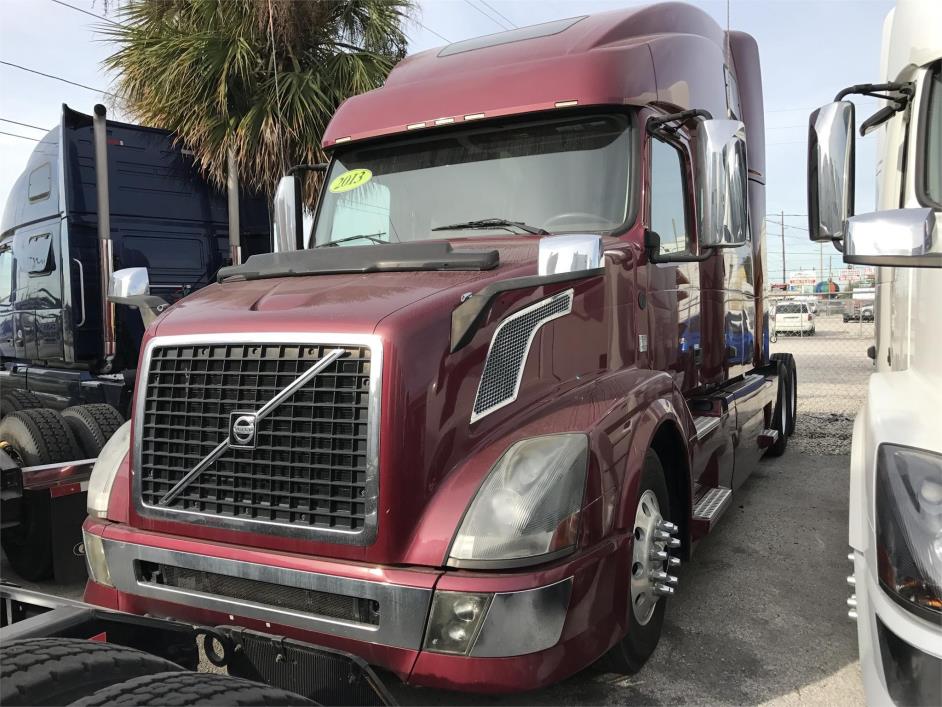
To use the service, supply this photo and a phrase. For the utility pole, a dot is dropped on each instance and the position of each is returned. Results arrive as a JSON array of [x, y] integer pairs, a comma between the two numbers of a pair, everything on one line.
[[784, 280], [821, 261]]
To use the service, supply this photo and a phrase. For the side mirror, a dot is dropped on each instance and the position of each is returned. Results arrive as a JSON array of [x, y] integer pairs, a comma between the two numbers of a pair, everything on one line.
[[289, 217], [722, 184], [575, 253], [830, 170], [896, 238], [131, 286]]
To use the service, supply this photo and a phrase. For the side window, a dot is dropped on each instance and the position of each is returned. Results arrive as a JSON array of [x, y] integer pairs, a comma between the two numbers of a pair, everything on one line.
[[6, 273], [35, 253], [668, 197], [932, 141], [40, 183]]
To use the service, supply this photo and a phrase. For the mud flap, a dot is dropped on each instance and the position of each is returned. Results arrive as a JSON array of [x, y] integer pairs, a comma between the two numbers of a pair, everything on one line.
[[68, 552], [321, 674]]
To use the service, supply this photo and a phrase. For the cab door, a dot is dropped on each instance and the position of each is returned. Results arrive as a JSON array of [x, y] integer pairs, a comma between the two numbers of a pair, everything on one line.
[[38, 306]]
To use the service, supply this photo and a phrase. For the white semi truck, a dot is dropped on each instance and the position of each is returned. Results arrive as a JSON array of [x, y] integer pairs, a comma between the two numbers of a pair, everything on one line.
[[896, 460]]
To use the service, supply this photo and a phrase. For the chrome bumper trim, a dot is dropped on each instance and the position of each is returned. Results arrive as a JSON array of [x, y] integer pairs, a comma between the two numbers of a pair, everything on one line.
[[403, 609], [524, 622]]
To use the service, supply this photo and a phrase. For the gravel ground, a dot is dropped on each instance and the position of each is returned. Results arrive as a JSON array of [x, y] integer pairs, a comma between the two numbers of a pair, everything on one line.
[[833, 369]]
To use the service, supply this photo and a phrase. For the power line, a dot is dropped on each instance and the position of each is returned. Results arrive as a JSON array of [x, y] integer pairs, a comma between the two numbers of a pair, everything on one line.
[[55, 78], [25, 125], [498, 12], [496, 22], [85, 12], [437, 34], [21, 137]]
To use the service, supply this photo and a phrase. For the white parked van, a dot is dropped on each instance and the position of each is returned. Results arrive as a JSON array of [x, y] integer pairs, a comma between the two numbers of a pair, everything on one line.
[[896, 459]]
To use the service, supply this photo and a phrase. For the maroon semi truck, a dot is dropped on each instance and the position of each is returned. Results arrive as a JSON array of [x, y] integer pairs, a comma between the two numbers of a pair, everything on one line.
[[467, 427]]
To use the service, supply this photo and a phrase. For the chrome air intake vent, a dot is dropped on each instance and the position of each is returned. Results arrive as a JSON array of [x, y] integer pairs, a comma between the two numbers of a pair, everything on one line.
[[503, 368], [241, 432]]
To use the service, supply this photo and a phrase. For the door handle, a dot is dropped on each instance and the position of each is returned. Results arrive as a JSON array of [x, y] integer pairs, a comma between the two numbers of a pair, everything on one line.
[[81, 287]]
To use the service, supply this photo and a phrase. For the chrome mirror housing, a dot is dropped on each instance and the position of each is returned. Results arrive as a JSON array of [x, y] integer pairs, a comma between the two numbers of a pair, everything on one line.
[[289, 216], [722, 184], [128, 282], [896, 238], [830, 170], [131, 286], [570, 253]]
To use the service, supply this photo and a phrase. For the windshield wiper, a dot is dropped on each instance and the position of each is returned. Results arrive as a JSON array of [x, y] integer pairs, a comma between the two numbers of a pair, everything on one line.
[[494, 223], [375, 237]]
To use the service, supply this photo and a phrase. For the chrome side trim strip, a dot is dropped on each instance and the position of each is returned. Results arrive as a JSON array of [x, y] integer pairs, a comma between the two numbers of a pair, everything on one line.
[[403, 610], [521, 364], [360, 537]]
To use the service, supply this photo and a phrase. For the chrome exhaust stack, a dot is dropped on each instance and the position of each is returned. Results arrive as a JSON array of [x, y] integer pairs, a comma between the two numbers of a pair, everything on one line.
[[106, 259]]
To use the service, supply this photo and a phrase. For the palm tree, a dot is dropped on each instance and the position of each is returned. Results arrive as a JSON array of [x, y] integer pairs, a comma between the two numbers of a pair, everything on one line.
[[258, 77]]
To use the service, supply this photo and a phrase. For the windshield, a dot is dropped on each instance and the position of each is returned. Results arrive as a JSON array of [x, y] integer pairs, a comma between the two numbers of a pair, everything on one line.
[[559, 175]]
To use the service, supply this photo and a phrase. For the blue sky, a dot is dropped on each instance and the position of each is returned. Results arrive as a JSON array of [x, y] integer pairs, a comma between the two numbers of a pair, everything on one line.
[[809, 50]]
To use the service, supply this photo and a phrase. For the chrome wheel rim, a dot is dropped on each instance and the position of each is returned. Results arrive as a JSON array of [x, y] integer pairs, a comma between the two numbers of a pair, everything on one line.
[[651, 560]]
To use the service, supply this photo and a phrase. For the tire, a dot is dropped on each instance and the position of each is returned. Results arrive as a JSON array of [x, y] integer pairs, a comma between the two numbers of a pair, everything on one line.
[[92, 426], [39, 436], [58, 671], [780, 410], [792, 410], [629, 655], [188, 688], [14, 400], [34, 437]]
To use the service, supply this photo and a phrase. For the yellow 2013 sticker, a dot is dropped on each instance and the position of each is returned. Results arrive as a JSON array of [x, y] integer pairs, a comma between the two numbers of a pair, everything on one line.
[[350, 180]]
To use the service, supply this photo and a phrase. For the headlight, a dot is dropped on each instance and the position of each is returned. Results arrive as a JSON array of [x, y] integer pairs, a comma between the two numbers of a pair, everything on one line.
[[909, 528], [528, 507], [105, 470]]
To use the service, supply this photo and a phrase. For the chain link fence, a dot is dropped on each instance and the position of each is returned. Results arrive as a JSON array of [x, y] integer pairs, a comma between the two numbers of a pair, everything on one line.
[[829, 336]]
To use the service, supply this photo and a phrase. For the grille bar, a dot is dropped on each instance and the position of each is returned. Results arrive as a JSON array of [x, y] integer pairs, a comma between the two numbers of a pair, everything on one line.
[[313, 469]]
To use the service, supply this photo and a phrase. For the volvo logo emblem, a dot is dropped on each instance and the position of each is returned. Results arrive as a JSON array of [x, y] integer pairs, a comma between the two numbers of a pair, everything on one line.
[[242, 428]]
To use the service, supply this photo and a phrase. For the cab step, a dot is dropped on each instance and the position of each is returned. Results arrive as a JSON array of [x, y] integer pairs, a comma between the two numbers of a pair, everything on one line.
[[767, 438], [712, 504]]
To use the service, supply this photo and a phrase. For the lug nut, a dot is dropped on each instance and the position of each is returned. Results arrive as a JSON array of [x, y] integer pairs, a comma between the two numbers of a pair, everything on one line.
[[661, 535], [850, 556], [659, 556], [851, 580], [673, 543], [673, 562], [852, 614], [852, 601], [659, 575], [672, 580], [663, 590], [667, 527]]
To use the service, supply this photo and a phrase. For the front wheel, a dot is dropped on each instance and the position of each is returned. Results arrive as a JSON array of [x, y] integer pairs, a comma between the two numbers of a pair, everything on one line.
[[649, 579]]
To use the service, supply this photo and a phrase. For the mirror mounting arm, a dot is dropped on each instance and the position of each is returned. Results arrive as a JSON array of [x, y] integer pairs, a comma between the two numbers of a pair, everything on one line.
[[880, 90], [319, 167], [660, 125], [652, 247]]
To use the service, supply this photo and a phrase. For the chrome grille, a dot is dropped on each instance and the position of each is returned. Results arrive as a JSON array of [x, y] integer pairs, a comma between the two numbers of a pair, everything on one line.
[[507, 355], [313, 467]]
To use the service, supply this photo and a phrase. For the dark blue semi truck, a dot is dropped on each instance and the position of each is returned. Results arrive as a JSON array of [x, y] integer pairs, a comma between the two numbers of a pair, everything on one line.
[[96, 196]]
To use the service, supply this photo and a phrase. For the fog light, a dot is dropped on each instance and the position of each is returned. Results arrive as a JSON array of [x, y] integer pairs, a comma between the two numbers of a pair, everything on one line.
[[95, 559], [454, 621]]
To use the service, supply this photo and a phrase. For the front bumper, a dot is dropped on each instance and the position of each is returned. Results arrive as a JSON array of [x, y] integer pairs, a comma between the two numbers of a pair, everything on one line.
[[900, 654], [538, 627]]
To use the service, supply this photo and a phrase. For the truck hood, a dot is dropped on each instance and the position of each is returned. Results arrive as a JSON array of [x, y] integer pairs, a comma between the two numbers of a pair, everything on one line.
[[333, 303], [427, 391]]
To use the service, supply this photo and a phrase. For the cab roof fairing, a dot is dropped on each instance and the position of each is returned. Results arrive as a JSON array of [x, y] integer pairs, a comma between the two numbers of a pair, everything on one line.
[[674, 54]]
